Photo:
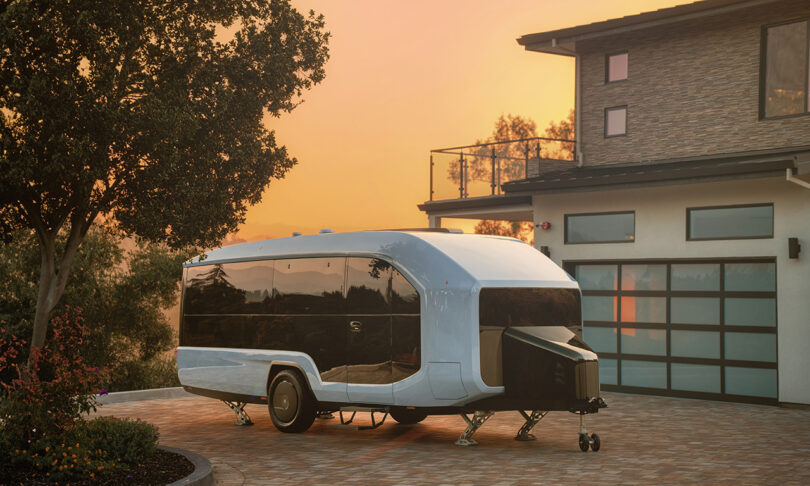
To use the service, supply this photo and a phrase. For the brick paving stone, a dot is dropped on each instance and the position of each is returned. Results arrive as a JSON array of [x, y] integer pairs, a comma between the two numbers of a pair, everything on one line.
[[645, 440]]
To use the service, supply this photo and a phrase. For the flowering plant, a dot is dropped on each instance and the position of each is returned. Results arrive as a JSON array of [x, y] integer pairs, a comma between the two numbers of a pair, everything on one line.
[[49, 395]]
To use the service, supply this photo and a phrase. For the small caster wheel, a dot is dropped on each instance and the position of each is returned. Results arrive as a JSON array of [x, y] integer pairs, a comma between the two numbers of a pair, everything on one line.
[[584, 443], [595, 443]]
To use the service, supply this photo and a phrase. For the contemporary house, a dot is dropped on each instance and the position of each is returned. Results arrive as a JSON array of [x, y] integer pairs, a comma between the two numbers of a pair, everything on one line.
[[683, 208]]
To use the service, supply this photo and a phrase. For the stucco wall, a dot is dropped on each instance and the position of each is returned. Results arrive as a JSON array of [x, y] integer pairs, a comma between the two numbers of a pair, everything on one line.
[[693, 89], [660, 233]]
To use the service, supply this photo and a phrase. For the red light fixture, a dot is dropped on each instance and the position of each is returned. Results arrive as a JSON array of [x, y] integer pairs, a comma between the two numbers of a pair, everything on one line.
[[545, 225]]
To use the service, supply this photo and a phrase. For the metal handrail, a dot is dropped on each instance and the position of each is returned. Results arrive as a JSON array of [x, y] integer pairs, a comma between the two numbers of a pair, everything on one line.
[[460, 168]]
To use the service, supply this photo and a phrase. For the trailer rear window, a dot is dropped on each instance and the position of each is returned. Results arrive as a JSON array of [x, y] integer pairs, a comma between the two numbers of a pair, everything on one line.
[[507, 307]]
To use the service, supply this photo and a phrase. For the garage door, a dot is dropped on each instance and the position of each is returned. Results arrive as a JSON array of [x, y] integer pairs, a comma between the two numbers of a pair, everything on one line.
[[693, 328]]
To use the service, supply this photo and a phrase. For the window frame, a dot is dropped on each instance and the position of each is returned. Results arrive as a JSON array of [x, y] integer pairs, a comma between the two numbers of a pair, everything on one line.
[[689, 236], [763, 70], [607, 66], [626, 113], [601, 213]]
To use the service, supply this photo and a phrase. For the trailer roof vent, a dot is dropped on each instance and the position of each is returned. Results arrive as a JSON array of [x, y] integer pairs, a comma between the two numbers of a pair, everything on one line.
[[326, 230], [296, 233]]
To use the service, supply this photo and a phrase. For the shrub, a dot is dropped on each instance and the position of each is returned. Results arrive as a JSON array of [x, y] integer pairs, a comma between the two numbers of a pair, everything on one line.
[[43, 406], [120, 438]]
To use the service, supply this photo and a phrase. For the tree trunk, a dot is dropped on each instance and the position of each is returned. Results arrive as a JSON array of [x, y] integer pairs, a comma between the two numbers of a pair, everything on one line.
[[46, 298], [53, 278]]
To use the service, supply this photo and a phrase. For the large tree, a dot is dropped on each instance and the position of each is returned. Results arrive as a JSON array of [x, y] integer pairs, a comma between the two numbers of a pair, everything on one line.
[[143, 112], [123, 291]]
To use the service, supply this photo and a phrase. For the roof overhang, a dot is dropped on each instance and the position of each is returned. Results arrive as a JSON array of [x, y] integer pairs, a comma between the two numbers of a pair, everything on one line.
[[564, 41], [756, 164], [505, 207]]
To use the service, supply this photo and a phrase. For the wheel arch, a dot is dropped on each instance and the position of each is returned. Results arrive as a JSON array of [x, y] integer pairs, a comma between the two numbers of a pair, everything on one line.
[[276, 366]]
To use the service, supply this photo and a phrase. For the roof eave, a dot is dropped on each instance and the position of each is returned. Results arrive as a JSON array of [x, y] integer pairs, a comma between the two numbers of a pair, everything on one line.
[[546, 41]]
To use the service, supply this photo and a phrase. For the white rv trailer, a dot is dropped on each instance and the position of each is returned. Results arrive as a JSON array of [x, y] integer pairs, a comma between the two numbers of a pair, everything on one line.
[[410, 323]]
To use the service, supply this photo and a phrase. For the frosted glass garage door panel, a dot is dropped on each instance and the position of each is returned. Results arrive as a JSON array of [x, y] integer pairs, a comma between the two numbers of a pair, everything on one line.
[[750, 312], [644, 341], [599, 308], [694, 310], [750, 346], [753, 382], [601, 339], [751, 277], [597, 277], [695, 344], [608, 372], [644, 373], [695, 276], [692, 377], [644, 309], [644, 277]]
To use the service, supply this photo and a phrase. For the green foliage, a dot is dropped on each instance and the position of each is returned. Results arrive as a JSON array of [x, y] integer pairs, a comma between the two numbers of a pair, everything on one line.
[[124, 439], [148, 111], [90, 449], [123, 295]]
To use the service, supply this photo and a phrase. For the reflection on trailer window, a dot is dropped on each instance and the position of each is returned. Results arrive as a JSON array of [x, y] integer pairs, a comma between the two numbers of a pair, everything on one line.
[[505, 307], [309, 286], [233, 288]]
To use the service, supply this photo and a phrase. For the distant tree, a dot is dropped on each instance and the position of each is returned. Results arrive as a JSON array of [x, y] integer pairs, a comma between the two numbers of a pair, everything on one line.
[[522, 230], [515, 127], [135, 112], [511, 157], [122, 295]]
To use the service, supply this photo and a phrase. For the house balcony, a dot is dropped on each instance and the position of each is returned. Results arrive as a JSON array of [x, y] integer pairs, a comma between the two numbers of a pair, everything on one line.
[[467, 181]]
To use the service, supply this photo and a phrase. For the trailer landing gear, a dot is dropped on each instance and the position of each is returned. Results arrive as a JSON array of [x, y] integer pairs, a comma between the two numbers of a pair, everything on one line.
[[586, 441], [531, 420], [242, 417], [478, 419]]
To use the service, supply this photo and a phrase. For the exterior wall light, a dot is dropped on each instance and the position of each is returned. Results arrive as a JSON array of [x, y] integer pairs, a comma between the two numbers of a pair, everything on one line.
[[794, 247]]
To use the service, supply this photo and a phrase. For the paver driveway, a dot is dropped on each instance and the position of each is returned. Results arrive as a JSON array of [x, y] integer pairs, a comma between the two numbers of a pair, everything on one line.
[[645, 440]]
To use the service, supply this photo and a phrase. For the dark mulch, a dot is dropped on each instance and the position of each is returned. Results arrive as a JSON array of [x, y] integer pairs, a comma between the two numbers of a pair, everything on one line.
[[159, 469]]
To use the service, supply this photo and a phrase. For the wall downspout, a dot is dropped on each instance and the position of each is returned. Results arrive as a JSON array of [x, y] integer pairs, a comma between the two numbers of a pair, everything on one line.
[[580, 157], [789, 177]]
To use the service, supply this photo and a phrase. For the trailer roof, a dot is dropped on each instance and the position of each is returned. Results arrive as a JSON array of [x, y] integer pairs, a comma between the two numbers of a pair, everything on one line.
[[437, 260]]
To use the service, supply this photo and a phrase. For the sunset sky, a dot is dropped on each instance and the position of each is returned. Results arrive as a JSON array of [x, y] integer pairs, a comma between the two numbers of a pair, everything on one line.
[[405, 77]]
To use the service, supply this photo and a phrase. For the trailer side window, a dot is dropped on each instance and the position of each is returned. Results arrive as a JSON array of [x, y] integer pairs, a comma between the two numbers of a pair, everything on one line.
[[309, 286], [232, 288], [404, 297], [368, 281]]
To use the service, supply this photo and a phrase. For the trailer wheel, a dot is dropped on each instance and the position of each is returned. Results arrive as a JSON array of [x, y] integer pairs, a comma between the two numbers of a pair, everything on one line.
[[595, 443], [584, 443], [407, 416], [292, 407]]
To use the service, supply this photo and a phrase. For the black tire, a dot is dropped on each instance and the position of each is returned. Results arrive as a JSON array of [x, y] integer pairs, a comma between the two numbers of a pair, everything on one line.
[[596, 444], [406, 416], [291, 404], [584, 444]]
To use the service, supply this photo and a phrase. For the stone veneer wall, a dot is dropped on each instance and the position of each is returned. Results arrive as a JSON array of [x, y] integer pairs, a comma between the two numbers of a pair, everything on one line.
[[692, 89]]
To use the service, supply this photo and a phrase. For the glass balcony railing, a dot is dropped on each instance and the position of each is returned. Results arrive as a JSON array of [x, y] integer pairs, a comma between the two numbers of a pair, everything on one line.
[[480, 169]]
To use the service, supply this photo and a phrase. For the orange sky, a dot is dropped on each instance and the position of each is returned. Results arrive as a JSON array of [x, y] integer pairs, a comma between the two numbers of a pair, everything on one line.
[[405, 77]]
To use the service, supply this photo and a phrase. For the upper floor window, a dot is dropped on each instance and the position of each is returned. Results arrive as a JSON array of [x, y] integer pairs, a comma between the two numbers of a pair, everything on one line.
[[616, 67], [615, 121], [785, 70]]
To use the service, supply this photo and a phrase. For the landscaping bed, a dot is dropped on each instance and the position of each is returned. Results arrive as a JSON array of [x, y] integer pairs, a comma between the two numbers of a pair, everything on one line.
[[160, 468]]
